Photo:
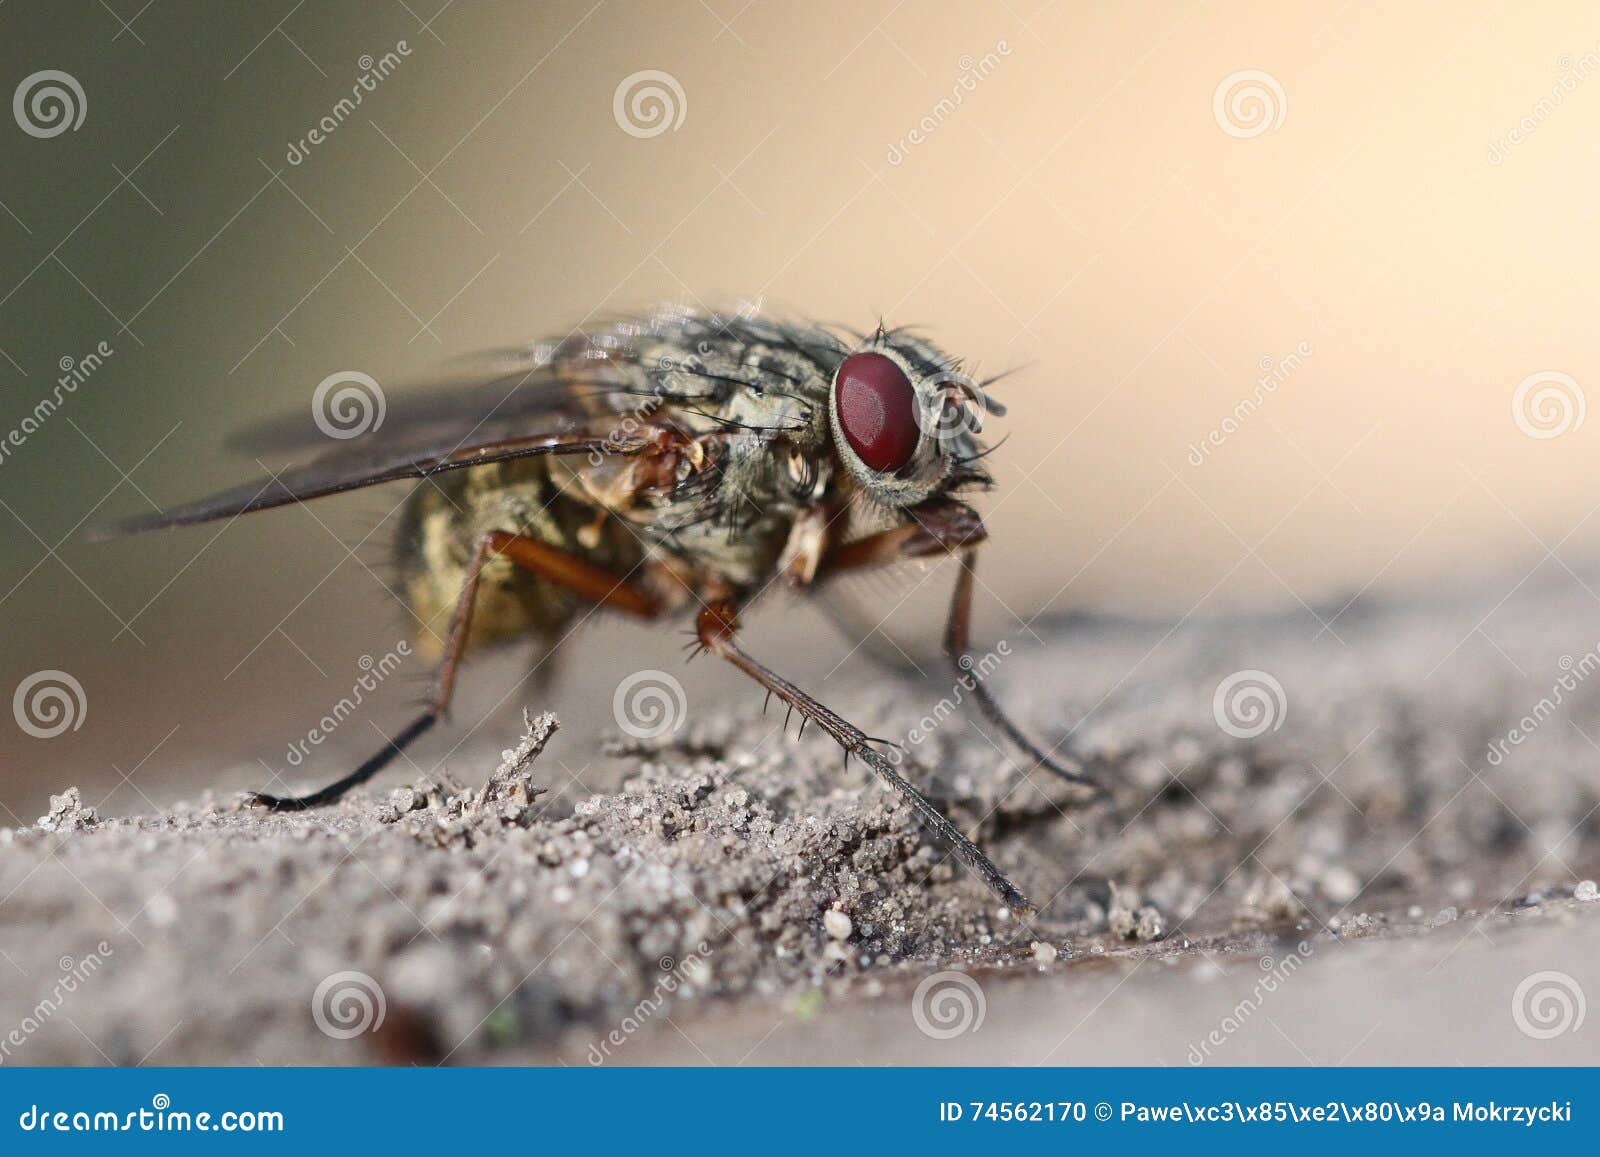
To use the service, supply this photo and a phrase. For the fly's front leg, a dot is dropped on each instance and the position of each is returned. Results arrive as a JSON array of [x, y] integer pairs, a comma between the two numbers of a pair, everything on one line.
[[941, 526], [944, 526], [533, 556], [960, 656], [716, 627]]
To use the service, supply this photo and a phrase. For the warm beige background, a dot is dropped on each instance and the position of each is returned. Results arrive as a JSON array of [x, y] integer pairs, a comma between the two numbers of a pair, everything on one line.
[[1083, 214]]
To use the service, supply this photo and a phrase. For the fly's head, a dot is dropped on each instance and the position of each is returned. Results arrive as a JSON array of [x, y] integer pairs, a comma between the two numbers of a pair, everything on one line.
[[905, 420]]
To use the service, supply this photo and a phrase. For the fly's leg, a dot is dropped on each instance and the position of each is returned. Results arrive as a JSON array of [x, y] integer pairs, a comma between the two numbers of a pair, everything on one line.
[[948, 527], [956, 650], [591, 582], [537, 558], [716, 627], [444, 679]]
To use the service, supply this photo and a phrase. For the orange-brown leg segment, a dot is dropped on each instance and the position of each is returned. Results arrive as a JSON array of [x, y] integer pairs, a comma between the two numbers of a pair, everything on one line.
[[938, 527], [716, 627], [594, 583], [533, 556]]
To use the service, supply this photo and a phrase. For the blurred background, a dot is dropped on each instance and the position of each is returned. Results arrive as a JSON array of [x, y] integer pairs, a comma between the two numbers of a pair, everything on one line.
[[1297, 298]]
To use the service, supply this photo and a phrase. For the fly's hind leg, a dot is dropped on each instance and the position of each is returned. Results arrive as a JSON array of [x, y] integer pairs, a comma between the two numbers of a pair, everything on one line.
[[537, 558], [444, 679], [716, 627]]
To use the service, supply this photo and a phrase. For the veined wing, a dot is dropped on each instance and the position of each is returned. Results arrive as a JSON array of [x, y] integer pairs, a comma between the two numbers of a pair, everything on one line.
[[546, 408], [355, 465], [570, 380]]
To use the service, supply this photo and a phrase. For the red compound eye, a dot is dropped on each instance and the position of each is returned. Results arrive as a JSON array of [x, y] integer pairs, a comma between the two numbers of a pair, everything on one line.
[[877, 411]]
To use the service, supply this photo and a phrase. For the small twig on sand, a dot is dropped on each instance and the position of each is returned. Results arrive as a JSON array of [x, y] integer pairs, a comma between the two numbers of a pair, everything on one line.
[[512, 781]]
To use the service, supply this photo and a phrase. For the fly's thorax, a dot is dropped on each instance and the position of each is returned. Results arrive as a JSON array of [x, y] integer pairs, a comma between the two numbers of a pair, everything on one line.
[[731, 433], [742, 558]]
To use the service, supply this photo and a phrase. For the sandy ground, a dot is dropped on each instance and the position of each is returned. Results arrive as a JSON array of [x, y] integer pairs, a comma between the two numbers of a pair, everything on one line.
[[1357, 883]]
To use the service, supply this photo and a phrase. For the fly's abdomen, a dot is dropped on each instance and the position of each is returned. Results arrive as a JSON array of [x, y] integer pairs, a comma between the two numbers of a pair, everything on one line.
[[443, 526]]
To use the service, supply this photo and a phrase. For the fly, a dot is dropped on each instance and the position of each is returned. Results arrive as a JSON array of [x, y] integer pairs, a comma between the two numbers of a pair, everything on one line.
[[680, 463]]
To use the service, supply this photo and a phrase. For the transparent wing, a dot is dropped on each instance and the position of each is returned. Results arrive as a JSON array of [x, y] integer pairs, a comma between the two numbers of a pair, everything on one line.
[[574, 406]]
